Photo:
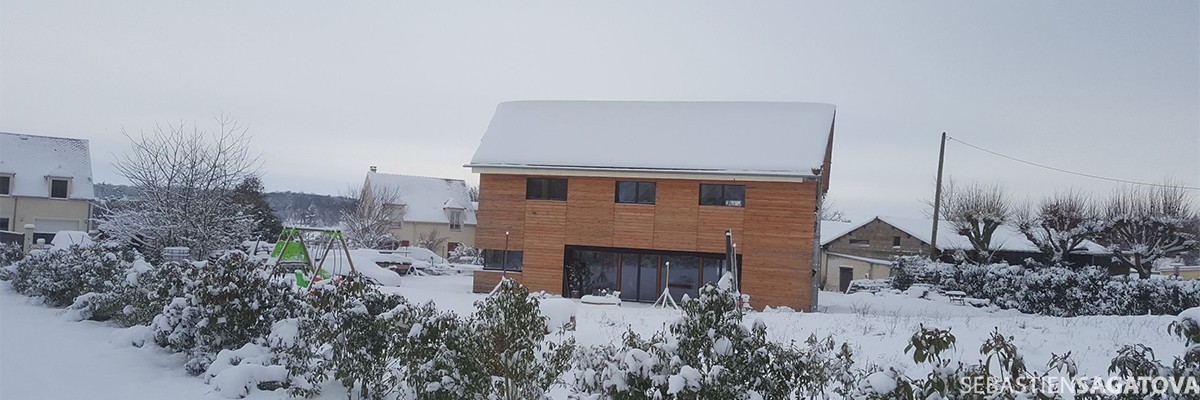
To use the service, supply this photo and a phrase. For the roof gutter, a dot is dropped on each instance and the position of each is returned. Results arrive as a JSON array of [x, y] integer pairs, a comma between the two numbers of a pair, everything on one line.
[[694, 174]]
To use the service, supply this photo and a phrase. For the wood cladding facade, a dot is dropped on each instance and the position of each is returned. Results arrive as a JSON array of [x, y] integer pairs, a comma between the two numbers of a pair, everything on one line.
[[774, 231]]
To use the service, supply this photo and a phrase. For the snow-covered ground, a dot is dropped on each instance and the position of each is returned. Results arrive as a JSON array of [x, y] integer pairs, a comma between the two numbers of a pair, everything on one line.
[[43, 355]]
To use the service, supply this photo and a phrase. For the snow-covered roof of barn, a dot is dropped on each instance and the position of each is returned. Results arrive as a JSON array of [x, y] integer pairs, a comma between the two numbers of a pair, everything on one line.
[[31, 159], [1006, 237], [729, 138], [426, 199]]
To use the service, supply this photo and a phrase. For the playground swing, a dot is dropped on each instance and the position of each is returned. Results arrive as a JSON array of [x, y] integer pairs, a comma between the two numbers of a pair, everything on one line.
[[291, 253]]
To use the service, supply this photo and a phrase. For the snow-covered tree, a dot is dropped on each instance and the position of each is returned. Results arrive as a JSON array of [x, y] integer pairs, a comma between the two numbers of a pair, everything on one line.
[[369, 223], [1060, 224], [432, 240], [976, 211], [514, 349], [184, 178], [1144, 225]]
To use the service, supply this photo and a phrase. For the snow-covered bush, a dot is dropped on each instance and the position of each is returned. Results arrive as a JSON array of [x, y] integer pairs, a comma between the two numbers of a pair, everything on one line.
[[710, 354], [515, 347], [10, 253], [225, 304], [60, 276], [1139, 361], [140, 297], [350, 331], [1055, 291], [466, 255]]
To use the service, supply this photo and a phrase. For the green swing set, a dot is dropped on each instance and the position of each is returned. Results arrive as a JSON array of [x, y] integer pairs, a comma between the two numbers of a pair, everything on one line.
[[291, 253]]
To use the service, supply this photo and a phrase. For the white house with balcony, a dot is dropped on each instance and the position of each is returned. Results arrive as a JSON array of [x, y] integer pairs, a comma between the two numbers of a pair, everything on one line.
[[429, 206], [46, 184]]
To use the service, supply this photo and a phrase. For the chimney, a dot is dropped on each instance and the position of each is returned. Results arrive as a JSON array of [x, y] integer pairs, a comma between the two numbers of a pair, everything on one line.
[[374, 168]]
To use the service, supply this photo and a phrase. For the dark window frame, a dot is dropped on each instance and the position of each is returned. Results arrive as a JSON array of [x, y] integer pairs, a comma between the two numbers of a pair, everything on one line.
[[638, 192], [4, 222], [66, 188], [735, 194], [546, 188], [6, 185], [895, 241], [494, 260]]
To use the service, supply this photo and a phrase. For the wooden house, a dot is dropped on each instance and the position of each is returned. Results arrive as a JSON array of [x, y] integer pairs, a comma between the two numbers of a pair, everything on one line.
[[578, 197]]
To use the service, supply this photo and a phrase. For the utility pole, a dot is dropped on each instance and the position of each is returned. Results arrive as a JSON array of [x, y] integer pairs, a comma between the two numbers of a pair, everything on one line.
[[937, 200]]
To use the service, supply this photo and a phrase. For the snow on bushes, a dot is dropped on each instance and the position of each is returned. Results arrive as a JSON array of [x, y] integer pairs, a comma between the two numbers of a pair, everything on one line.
[[59, 276], [225, 305], [709, 354], [1054, 291], [378, 345]]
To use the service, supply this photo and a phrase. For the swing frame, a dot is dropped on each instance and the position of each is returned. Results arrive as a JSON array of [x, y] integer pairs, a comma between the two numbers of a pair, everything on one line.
[[295, 234]]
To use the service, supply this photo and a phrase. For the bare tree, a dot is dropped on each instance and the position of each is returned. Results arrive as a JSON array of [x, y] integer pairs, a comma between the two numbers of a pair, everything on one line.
[[1144, 225], [976, 211], [184, 179], [473, 192], [432, 240], [828, 211], [376, 210], [1060, 224]]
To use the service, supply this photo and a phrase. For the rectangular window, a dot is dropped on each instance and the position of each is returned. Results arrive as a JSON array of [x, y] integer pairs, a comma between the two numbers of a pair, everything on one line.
[[896, 241], [723, 195], [635, 192], [496, 260], [860, 242], [546, 189], [5, 185], [58, 188], [456, 220], [3, 224]]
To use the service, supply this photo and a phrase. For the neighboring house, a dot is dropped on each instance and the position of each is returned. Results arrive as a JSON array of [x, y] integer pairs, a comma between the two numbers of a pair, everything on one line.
[[427, 206], [46, 183], [883, 238], [617, 190]]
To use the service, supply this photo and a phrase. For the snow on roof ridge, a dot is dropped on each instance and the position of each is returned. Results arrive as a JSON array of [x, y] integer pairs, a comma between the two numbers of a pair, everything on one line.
[[659, 136]]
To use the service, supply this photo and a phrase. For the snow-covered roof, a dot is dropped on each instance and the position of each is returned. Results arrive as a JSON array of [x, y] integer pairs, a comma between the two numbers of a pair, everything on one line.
[[831, 230], [1006, 237], [426, 199], [31, 159], [728, 138]]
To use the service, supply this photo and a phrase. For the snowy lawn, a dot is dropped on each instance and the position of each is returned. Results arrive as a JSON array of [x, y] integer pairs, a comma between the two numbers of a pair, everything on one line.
[[43, 355]]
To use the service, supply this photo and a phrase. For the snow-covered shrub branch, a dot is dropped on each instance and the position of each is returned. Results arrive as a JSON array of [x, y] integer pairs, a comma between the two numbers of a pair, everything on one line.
[[61, 275], [1054, 291]]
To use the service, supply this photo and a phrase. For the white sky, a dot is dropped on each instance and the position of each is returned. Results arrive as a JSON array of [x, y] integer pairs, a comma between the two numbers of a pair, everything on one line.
[[328, 88]]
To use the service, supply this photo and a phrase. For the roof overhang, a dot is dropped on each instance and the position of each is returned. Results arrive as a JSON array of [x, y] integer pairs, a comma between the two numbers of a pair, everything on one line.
[[607, 172]]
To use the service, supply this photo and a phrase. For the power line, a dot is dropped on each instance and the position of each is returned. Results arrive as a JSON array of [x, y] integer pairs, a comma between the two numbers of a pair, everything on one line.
[[1067, 171]]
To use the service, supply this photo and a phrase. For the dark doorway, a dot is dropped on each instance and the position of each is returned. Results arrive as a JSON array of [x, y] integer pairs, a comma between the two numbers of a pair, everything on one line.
[[846, 274]]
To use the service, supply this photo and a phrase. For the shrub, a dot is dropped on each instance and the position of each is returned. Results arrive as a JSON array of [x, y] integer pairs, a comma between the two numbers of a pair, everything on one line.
[[137, 299], [225, 305], [1054, 291], [59, 276], [710, 353]]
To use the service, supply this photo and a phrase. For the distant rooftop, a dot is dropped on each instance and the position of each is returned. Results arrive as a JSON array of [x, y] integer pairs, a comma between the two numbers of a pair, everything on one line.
[[31, 159], [425, 198], [730, 138]]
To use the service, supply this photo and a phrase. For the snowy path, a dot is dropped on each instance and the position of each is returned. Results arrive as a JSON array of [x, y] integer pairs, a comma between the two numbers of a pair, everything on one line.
[[43, 356]]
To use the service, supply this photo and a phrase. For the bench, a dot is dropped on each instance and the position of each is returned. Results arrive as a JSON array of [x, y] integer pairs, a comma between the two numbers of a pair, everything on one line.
[[957, 297]]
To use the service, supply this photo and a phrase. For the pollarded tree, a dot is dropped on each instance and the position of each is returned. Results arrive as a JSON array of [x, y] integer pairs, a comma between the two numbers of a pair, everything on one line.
[[1144, 225], [369, 223], [184, 179], [1060, 224], [976, 211]]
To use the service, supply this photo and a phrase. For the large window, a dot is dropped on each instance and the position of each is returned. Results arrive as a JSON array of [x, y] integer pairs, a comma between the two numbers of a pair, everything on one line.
[[5, 184], [58, 188], [546, 189], [723, 195], [635, 192], [495, 260]]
